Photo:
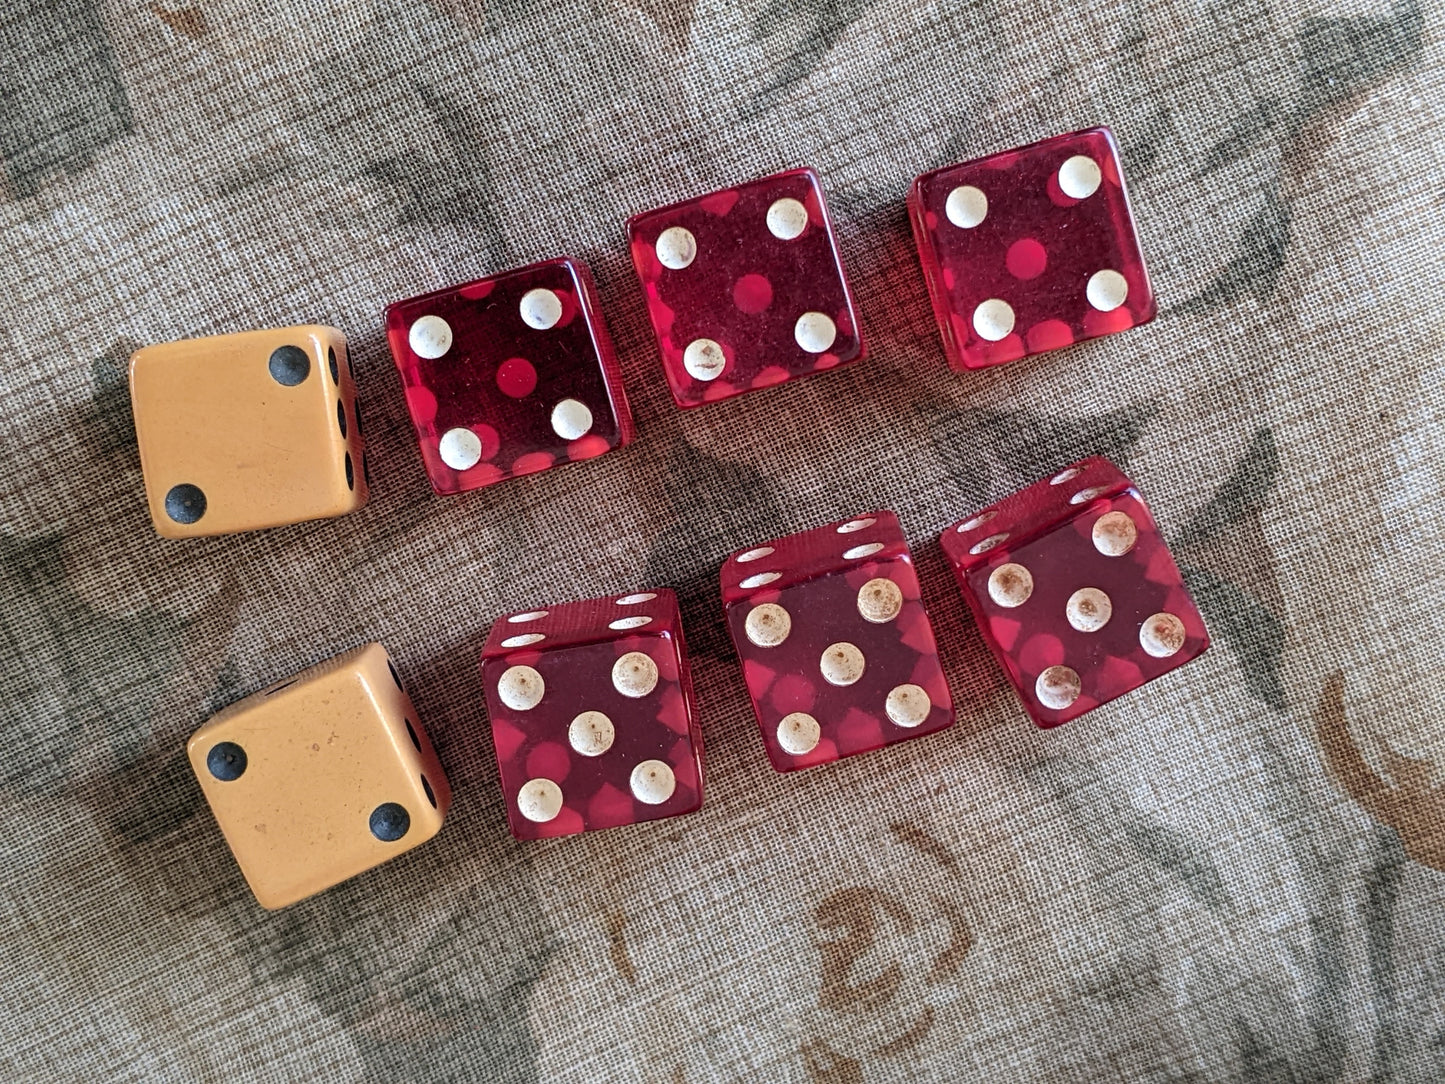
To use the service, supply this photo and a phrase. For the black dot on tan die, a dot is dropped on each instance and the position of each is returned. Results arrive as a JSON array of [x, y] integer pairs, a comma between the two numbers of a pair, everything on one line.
[[356, 413], [289, 365], [185, 503], [226, 761], [411, 733], [341, 417], [331, 361], [350, 473], [394, 675], [389, 822], [430, 794]]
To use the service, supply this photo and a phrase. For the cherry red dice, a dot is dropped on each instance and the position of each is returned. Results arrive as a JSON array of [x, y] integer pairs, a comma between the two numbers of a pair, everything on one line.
[[745, 288], [509, 375], [1075, 591], [592, 715], [837, 649], [1030, 250]]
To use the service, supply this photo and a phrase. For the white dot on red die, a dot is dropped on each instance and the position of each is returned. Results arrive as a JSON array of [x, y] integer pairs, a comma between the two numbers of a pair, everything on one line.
[[539, 800], [868, 549], [908, 705], [754, 554], [768, 625], [571, 419], [787, 219], [652, 782], [993, 320], [634, 675], [637, 599], [1107, 290], [880, 600], [856, 525], [762, 579], [815, 332], [591, 733], [841, 664], [1162, 635], [1079, 177], [988, 543], [1010, 585], [460, 448], [966, 207], [676, 248], [541, 309], [977, 521], [1114, 534], [521, 688], [704, 359], [525, 640], [1057, 687], [798, 733], [430, 337], [530, 615], [629, 623], [1089, 609]]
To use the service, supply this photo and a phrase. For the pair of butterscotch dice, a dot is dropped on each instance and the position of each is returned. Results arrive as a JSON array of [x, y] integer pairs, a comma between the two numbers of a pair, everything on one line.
[[593, 719]]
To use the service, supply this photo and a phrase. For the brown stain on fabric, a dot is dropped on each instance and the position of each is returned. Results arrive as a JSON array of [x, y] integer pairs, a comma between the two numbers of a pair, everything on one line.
[[855, 912], [190, 21], [948, 962], [912, 1037], [826, 1066], [617, 947], [910, 835], [1409, 801]]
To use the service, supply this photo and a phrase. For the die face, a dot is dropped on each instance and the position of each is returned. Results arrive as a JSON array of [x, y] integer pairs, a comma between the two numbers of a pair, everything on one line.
[[844, 660], [509, 375], [745, 288], [593, 729], [1084, 611], [1031, 511], [1030, 250], [797, 558], [587, 621], [321, 777], [240, 432]]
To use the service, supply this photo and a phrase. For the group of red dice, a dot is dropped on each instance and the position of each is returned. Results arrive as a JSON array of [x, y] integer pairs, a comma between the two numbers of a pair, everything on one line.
[[1023, 252], [591, 702]]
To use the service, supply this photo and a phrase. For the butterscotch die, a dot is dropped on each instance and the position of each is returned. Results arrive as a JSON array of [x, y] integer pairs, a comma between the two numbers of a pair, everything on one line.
[[321, 777], [244, 431]]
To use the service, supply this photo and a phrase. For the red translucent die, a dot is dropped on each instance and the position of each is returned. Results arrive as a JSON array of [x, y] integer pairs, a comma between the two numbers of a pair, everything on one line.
[[837, 650], [1030, 250], [745, 288], [1075, 591], [509, 375], [592, 715]]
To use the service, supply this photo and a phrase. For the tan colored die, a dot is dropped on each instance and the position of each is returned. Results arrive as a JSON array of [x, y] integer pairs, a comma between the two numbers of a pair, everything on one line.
[[320, 777], [246, 431]]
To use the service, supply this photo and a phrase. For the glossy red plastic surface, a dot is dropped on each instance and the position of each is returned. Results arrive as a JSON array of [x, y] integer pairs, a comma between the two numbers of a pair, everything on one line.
[[1035, 249], [1049, 530], [746, 287], [502, 380], [574, 647], [825, 579]]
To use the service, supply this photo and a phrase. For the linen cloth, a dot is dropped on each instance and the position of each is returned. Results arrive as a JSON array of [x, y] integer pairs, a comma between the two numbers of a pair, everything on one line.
[[1236, 873]]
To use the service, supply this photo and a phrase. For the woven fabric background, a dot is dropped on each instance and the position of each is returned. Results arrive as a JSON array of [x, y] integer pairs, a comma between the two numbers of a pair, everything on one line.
[[1237, 873]]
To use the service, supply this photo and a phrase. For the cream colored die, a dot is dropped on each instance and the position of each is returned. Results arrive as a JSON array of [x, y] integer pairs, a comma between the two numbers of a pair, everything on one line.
[[318, 778], [244, 431]]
